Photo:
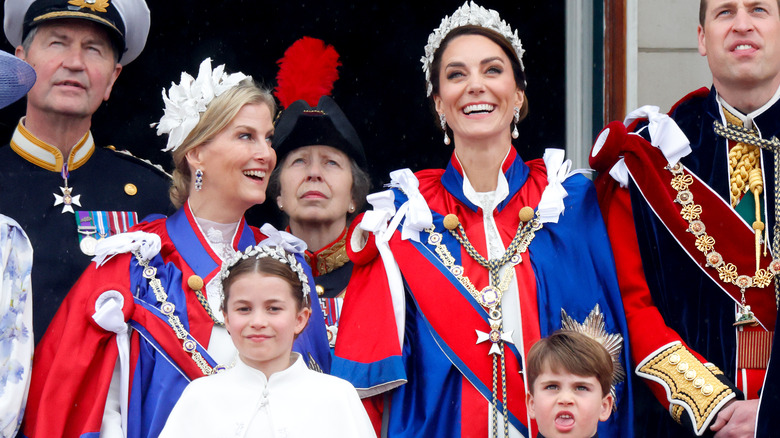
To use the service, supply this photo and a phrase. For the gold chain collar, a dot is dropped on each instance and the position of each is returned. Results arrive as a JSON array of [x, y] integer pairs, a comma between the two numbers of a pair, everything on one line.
[[189, 344], [727, 272], [490, 295]]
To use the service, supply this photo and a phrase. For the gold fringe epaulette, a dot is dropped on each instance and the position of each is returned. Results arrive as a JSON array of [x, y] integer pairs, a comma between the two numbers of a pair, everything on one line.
[[690, 385]]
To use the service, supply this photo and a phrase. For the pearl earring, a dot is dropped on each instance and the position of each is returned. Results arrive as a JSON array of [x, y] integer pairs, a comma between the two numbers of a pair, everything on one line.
[[443, 120]]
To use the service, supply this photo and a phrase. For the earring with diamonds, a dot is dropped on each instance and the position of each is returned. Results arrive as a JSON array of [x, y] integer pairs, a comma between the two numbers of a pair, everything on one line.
[[443, 120], [198, 179], [515, 133]]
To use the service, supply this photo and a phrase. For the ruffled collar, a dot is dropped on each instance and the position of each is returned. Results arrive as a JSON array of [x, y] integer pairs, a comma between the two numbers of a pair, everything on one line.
[[514, 173], [44, 155]]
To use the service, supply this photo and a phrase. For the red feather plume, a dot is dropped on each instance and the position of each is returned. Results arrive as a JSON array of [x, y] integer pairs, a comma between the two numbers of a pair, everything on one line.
[[307, 71]]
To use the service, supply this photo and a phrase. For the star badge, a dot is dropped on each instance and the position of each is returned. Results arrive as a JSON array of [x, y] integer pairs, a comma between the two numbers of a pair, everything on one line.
[[67, 199]]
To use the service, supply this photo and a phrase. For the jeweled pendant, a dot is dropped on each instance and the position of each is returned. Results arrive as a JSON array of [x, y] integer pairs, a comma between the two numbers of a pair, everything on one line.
[[67, 199], [488, 296], [745, 316]]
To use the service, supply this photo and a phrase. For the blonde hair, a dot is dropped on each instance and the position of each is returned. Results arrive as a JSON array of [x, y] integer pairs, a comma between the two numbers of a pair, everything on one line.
[[218, 115]]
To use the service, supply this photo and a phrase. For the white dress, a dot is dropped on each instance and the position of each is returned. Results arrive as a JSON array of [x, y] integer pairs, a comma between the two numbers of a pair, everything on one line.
[[296, 402]]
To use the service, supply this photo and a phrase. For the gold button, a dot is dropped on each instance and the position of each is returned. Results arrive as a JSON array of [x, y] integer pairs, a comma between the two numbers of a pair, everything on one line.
[[451, 221], [320, 290], [112, 147], [707, 390], [195, 282], [690, 375], [682, 367], [526, 214], [699, 382], [674, 359], [131, 189]]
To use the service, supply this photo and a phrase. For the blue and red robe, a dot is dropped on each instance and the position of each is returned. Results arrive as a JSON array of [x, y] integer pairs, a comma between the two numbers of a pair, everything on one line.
[[673, 300], [439, 380], [75, 360]]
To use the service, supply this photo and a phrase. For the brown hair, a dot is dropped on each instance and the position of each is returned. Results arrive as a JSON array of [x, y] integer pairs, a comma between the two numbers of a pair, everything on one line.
[[218, 115], [574, 352], [265, 266], [492, 35], [361, 185], [703, 11]]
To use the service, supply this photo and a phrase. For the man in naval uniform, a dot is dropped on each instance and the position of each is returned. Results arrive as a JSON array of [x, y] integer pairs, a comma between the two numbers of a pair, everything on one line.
[[691, 207], [64, 190]]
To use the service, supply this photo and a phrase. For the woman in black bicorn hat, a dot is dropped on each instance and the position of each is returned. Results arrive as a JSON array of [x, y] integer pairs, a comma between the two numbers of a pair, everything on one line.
[[320, 183]]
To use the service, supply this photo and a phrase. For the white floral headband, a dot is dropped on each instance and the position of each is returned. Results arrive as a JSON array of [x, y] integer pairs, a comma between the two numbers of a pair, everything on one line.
[[468, 14], [275, 252], [185, 101]]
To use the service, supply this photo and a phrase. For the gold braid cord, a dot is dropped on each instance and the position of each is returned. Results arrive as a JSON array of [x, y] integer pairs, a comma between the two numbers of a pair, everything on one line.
[[689, 383], [743, 158]]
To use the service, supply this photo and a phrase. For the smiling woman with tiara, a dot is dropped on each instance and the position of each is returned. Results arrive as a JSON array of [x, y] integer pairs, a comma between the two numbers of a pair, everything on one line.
[[143, 320], [459, 271]]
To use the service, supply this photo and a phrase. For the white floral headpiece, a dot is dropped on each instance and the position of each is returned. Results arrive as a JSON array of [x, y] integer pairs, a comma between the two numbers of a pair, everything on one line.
[[185, 101], [275, 252], [468, 14]]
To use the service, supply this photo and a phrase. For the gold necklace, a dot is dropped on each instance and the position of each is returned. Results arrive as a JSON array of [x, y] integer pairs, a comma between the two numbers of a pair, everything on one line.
[[727, 272], [490, 296]]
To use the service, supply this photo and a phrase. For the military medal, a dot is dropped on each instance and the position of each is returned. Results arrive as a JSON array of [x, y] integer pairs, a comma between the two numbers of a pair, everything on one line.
[[86, 228], [95, 225], [88, 245], [67, 198]]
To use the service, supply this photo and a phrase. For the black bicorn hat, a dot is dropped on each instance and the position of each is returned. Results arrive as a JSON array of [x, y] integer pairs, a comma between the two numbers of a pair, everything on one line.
[[127, 21], [325, 124]]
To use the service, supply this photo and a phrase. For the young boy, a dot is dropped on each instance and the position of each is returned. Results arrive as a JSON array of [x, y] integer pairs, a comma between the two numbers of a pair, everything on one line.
[[570, 377]]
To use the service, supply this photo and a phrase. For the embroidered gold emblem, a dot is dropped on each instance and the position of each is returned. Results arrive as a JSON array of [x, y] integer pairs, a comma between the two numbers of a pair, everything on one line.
[[94, 5]]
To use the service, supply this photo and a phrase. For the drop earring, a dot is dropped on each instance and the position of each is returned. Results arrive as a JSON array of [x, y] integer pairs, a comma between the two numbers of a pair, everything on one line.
[[198, 179], [515, 133], [443, 120]]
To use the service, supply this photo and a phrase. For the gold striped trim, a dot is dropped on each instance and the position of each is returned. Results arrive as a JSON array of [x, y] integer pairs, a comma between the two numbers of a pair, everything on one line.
[[754, 348], [714, 369], [75, 14], [688, 381], [28, 136], [79, 154]]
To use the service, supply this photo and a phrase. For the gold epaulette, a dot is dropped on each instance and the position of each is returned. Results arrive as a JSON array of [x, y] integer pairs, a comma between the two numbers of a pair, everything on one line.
[[691, 386]]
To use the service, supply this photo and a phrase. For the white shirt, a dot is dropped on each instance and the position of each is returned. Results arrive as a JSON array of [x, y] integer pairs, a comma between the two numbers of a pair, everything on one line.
[[242, 402]]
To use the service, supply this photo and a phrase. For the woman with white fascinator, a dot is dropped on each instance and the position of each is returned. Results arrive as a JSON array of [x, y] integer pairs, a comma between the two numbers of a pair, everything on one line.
[[16, 337], [459, 271], [144, 319]]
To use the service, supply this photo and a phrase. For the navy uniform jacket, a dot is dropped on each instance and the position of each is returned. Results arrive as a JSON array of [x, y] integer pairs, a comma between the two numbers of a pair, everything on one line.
[[99, 175]]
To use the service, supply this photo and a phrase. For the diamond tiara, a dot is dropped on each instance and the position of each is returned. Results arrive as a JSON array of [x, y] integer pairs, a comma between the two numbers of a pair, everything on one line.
[[277, 253], [468, 14]]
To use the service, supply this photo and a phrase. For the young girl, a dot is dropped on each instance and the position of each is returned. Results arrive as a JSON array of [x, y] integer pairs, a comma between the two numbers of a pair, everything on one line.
[[269, 391]]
